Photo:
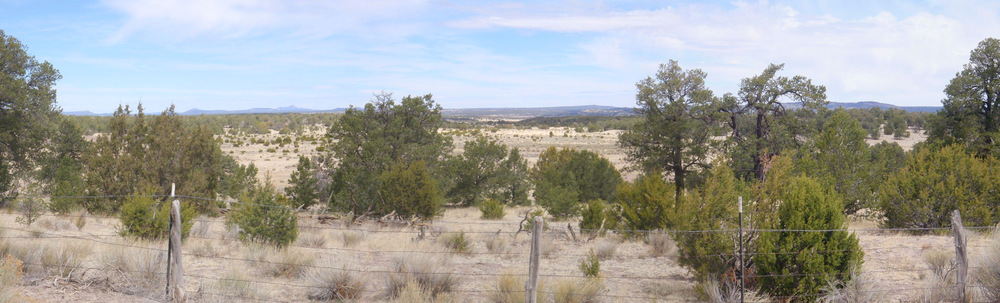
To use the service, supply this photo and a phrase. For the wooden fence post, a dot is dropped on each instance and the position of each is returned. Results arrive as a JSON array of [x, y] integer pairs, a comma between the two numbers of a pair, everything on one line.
[[961, 255], [175, 268], [531, 287]]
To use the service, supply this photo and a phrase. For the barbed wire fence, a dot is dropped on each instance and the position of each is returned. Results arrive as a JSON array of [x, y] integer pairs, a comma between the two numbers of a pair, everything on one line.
[[474, 278]]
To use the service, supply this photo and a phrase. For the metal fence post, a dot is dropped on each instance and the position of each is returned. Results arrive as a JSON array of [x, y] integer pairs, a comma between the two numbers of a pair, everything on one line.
[[742, 278]]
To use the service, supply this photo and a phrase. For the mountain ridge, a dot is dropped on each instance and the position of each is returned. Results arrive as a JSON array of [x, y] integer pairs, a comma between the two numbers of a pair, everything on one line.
[[502, 112]]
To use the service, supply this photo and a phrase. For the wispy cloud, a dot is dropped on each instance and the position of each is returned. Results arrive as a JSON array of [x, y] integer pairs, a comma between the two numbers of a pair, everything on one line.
[[862, 58], [230, 19]]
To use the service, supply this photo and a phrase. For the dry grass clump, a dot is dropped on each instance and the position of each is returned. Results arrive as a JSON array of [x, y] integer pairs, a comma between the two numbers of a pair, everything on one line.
[[431, 273], [314, 240], [79, 219], [11, 272], [456, 242], [353, 237], [56, 258], [509, 288], [548, 248], [139, 268], [336, 284], [234, 283], [496, 244], [941, 282], [606, 249], [987, 269], [200, 227], [581, 290], [203, 248], [55, 224], [412, 292], [65, 258], [862, 288], [729, 292], [276, 262], [660, 244]]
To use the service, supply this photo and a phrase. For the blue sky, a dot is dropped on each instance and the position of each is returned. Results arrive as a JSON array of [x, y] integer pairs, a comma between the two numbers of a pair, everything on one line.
[[239, 54]]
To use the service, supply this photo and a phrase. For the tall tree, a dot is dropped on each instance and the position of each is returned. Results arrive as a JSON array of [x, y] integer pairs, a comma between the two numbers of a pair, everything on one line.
[[679, 117], [301, 190], [971, 113], [487, 169], [760, 126], [840, 159], [135, 155], [27, 109], [367, 142]]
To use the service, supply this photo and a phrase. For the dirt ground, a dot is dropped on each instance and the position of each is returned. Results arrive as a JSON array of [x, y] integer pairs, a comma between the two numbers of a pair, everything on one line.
[[894, 261]]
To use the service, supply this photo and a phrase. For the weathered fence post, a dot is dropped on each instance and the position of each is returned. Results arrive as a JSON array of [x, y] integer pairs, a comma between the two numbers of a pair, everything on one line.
[[961, 255], [175, 268], [531, 287]]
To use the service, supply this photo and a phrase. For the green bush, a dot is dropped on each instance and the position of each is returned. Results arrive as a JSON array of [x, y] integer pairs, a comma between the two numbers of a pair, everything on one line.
[[591, 265], [492, 209], [580, 175], [457, 242], [646, 204], [560, 202], [263, 216], [593, 216], [30, 206], [530, 223], [801, 263], [409, 190], [144, 217], [713, 207], [936, 182], [302, 189]]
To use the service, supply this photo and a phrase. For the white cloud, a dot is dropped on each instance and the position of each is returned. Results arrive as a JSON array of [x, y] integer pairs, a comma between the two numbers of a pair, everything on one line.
[[887, 56], [186, 19]]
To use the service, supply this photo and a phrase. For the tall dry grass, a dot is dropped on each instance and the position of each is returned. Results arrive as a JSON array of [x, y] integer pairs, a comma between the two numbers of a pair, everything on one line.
[[861, 288], [579, 290], [330, 283], [432, 274], [987, 269], [11, 272], [235, 283], [275, 262], [137, 266]]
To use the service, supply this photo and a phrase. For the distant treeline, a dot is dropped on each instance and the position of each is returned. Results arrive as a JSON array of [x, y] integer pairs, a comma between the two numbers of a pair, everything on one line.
[[218, 124]]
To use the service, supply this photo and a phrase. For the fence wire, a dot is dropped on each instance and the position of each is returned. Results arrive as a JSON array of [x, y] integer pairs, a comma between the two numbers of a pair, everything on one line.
[[380, 262]]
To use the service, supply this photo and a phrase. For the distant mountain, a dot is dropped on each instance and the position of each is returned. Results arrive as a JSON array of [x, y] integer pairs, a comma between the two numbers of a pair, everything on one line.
[[281, 110], [511, 113], [528, 112], [870, 104], [84, 113]]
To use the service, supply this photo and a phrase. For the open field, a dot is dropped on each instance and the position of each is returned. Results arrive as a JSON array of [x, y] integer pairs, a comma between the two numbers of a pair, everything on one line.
[[531, 142]]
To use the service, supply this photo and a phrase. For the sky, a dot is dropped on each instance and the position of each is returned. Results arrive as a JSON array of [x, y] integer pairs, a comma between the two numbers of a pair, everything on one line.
[[241, 54]]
